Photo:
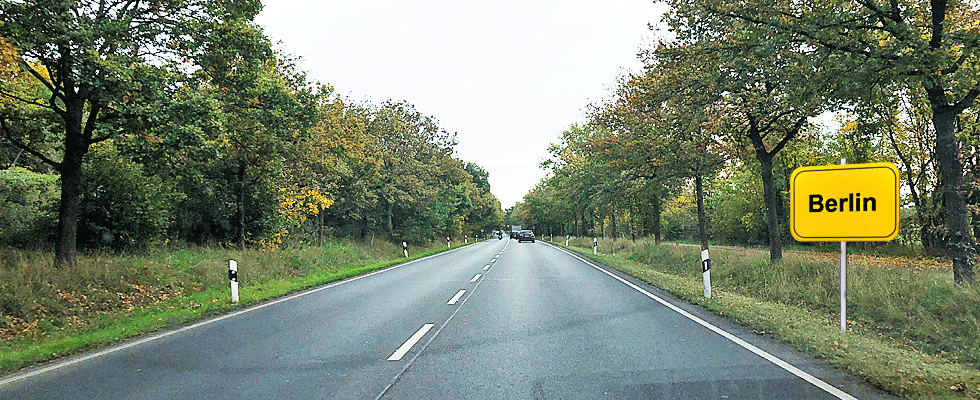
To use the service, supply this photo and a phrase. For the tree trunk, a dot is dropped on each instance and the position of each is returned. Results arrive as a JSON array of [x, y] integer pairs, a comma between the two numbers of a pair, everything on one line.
[[602, 228], [772, 217], [76, 145], [925, 231], [389, 225], [71, 200], [612, 216], [656, 221], [960, 244], [702, 219], [241, 204], [319, 230]]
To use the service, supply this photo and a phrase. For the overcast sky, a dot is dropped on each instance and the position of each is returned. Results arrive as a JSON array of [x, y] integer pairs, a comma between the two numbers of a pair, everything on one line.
[[507, 76]]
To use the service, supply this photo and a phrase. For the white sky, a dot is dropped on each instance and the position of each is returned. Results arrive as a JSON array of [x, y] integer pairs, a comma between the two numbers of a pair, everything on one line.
[[507, 76]]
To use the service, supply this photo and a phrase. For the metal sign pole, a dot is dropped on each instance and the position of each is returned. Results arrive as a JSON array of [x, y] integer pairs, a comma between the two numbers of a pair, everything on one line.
[[843, 287], [843, 280]]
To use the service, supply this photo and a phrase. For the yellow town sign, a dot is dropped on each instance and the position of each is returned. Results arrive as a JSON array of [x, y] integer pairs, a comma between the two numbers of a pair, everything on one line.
[[844, 203]]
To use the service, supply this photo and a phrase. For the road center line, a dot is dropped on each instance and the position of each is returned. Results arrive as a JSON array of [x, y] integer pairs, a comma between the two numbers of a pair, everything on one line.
[[840, 394], [476, 277], [398, 354], [426, 345], [456, 297]]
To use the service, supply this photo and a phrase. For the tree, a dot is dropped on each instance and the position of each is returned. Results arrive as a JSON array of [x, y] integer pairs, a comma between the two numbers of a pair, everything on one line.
[[485, 214], [99, 62], [672, 113], [930, 45], [265, 104], [769, 88]]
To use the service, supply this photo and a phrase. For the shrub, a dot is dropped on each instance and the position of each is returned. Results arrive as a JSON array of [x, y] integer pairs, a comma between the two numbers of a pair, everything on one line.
[[28, 207], [122, 207]]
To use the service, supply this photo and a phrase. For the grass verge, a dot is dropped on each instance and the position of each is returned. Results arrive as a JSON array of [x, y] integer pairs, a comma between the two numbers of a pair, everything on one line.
[[911, 331], [47, 313]]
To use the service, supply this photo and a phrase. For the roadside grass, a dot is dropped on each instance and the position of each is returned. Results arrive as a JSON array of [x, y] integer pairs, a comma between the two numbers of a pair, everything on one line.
[[47, 312], [911, 331]]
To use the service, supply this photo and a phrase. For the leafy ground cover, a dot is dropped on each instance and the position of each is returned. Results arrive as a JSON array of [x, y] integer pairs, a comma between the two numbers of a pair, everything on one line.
[[911, 330], [48, 312]]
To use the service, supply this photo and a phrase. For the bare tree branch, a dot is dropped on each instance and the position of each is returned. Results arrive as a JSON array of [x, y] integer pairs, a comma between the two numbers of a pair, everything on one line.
[[9, 134], [790, 135], [23, 100]]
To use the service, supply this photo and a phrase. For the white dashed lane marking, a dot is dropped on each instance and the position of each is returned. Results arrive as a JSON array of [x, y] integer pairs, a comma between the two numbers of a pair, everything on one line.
[[456, 297], [398, 354]]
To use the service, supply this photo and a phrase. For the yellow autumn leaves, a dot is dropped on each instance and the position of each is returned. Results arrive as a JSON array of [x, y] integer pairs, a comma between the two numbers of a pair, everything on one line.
[[297, 204]]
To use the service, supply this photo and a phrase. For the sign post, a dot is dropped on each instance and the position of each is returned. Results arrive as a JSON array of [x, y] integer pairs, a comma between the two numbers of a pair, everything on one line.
[[843, 287], [233, 277], [845, 203], [706, 272]]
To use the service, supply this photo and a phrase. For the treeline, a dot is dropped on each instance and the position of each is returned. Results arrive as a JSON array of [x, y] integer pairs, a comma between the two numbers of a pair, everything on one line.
[[128, 124], [701, 144]]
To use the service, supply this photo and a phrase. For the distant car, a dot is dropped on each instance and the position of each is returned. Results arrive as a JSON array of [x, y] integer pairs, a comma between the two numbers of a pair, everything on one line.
[[525, 236]]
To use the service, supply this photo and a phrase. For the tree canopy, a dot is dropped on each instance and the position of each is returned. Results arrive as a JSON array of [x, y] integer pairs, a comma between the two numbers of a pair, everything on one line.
[[178, 120]]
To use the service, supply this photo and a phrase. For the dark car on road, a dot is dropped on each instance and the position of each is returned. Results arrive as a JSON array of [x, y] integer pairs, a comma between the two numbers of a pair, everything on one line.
[[525, 236]]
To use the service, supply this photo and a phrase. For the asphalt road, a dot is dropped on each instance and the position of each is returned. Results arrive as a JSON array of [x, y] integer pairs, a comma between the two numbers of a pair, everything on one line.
[[497, 319]]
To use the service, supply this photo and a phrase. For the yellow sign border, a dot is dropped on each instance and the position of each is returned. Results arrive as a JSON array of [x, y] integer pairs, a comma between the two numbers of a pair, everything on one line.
[[824, 168]]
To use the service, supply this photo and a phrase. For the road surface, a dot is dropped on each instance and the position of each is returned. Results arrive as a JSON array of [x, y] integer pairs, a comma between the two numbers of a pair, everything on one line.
[[498, 319]]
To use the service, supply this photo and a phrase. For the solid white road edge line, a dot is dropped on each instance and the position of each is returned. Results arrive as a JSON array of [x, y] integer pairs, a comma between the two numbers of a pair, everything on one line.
[[61, 364], [475, 278], [405, 347], [456, 297], [840, 394]]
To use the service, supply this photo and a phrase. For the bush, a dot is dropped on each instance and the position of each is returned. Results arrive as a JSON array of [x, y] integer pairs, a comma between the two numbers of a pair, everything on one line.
[[122, 207], [28, 207]]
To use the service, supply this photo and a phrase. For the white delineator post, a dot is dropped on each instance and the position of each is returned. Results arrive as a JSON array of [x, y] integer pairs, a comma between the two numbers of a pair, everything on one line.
[[405, 248], [466, 239], [706, 272], [843, 280], [595, 246], [447, 242], [566, 240], [233, 277]]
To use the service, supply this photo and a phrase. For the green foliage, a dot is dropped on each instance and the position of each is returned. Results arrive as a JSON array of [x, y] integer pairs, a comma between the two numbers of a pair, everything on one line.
[[123, 207], [28, 205], [680, 218], [737, 208], [199, 131]]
